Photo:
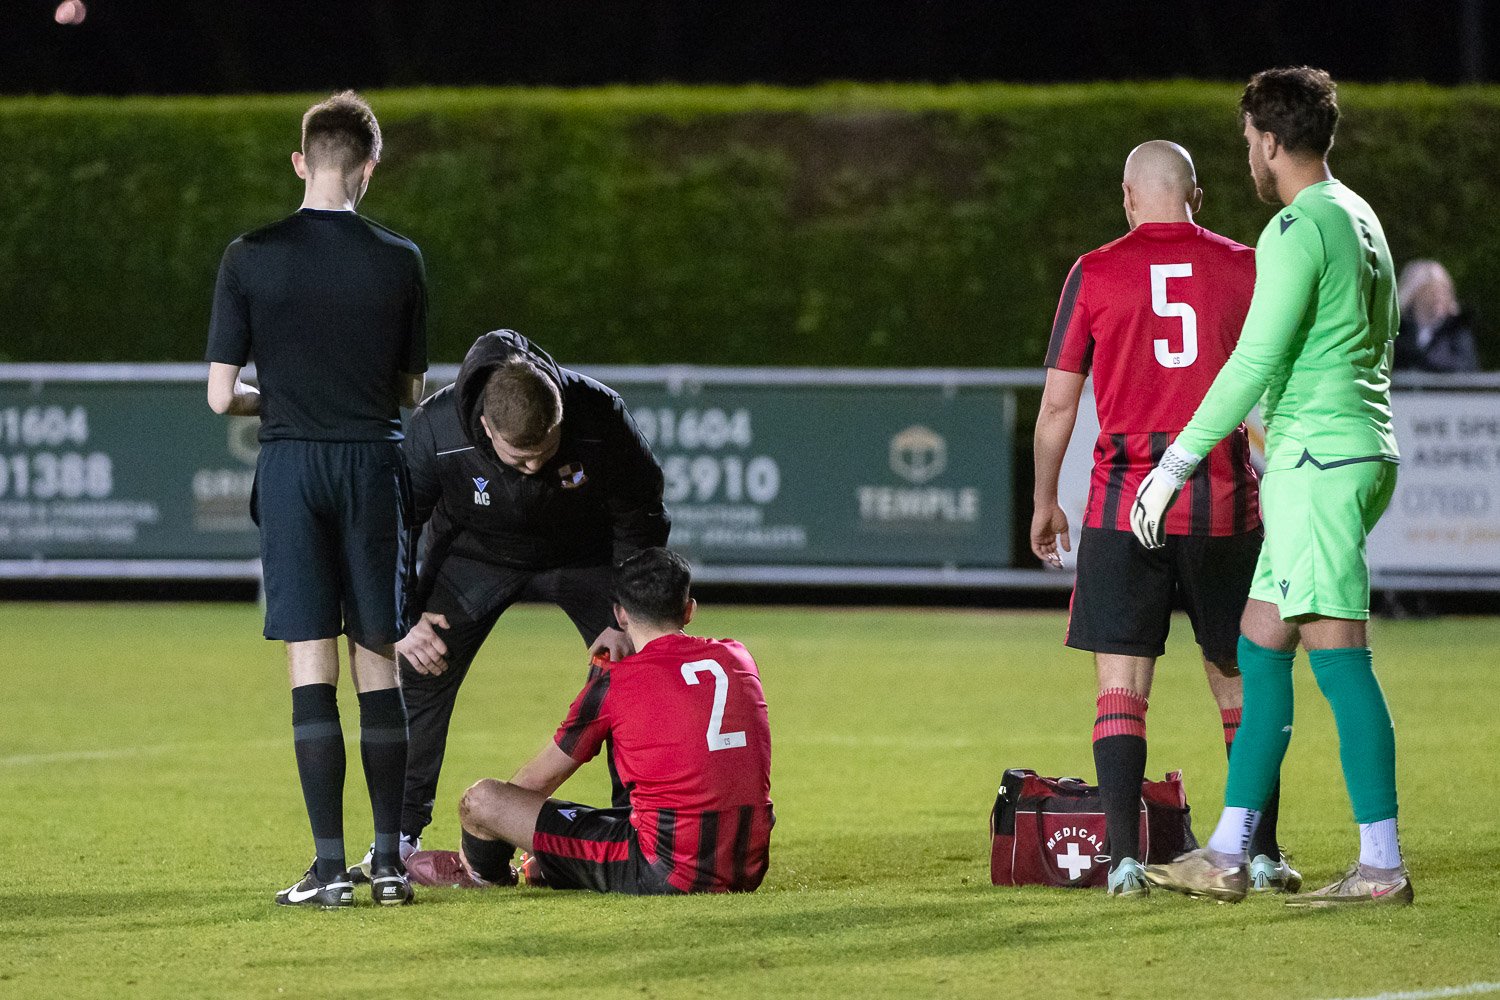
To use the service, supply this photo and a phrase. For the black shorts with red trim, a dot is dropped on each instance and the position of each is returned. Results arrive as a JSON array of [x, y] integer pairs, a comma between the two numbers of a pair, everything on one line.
[[580, 847], [1125, 593]]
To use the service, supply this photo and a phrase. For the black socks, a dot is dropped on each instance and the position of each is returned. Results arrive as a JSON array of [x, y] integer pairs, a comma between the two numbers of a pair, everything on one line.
[[489, 859], [319, 742], [382, 748]]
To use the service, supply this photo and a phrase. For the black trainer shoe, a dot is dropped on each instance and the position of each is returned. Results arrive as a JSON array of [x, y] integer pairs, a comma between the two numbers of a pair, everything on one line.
[[390, 887], [334, 894]]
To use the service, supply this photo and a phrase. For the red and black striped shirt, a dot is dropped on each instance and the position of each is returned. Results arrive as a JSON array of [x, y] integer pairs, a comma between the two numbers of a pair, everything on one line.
[[1154, 316], [693, 744]]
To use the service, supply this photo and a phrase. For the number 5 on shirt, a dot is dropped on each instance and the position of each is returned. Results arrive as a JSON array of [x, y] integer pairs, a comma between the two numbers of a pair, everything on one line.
[[716, 740], [1165, 356]]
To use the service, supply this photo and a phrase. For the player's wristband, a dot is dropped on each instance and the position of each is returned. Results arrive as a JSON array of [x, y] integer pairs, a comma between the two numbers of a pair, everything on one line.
[[1178, 463]]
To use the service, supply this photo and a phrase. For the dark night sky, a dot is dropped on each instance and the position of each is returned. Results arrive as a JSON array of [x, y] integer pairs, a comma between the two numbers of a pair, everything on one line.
[[215, 46]]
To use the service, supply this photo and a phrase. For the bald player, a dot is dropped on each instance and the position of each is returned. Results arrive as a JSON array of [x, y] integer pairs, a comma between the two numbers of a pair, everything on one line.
[[1153, 316]]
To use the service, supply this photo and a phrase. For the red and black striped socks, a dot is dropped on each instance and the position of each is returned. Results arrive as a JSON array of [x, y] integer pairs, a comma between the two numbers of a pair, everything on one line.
[[1120, 760], [1231, 717]]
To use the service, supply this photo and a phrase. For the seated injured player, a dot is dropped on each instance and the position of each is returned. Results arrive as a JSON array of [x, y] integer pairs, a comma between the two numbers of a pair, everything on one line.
[[692, 744]]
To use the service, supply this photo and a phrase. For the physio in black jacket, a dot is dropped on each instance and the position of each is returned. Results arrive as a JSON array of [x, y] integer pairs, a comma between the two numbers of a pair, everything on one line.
[[534, 483]]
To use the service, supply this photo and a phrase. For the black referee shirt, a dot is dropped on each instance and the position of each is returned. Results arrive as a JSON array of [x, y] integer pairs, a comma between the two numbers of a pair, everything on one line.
[[331, 307]]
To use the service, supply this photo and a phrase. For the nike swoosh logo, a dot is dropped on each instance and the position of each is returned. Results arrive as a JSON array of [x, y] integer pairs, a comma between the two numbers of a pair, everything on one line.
[[294, 896], [1378, 893], [1287, 224]]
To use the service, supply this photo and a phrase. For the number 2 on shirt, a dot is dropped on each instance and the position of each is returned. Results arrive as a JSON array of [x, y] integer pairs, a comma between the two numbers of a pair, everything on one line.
[[1165, 356], [716, 740]]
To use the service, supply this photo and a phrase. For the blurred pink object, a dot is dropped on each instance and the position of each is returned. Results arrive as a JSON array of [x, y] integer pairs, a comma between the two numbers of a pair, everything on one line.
[[70, 12]]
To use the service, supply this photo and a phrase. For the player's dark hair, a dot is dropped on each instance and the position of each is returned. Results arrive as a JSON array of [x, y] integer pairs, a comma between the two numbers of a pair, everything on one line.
[[341, 133], [1299, 104], [655, 585], [521, 403]]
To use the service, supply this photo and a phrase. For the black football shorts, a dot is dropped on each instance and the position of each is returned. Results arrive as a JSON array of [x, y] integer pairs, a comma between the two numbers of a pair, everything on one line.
[[579, 847], [329, 514], [1125, 593]]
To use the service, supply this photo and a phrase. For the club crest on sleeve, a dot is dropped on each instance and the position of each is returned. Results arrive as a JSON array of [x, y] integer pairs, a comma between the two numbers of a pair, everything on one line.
[[572, 476]]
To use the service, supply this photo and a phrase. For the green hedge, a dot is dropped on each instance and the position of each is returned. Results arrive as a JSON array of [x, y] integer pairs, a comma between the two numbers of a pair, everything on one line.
[[842, 225]]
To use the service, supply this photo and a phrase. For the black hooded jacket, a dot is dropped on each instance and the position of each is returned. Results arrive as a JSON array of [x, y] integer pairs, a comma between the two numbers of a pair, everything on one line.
[[597, 501]]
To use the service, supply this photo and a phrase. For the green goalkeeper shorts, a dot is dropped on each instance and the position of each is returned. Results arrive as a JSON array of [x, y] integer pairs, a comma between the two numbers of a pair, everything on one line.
[[1317, 518]]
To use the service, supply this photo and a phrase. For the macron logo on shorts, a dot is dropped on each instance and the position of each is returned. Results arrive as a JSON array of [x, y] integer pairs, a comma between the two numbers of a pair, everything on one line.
[[1285, 585], [480, 496]]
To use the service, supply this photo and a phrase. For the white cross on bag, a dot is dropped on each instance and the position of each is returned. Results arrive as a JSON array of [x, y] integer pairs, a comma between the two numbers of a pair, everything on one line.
[[1074, 862]]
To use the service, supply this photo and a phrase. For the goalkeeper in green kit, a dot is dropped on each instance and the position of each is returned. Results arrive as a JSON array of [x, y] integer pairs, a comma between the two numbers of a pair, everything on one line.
[[1317, 345]]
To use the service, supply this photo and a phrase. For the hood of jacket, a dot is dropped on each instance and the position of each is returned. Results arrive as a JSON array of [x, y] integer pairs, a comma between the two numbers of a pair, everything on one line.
[[489, 351]]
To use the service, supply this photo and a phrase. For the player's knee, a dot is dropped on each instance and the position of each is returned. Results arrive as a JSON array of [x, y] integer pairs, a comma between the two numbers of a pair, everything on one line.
[[479, 801]]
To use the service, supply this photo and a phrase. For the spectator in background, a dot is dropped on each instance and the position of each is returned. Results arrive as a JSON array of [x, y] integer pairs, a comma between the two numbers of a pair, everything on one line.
[[1436, 336]]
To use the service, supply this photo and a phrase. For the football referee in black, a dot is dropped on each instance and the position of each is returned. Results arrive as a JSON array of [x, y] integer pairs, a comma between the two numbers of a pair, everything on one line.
[[533, 482], [332, 309]]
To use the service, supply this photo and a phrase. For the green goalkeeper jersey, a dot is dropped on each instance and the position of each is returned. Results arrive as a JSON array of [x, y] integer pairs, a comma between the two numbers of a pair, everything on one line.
[[1317, 340]]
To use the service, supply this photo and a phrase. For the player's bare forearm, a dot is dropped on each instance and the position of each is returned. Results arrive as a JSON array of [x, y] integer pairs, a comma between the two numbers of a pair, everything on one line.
[[545, 772], [1054, 429], [228, 394]]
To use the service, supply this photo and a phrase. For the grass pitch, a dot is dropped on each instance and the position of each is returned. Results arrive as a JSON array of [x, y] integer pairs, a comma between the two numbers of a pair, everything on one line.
[[151, 809]]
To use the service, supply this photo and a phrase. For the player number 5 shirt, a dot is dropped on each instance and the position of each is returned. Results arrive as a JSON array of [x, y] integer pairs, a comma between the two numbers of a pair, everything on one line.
[[1154, 316]]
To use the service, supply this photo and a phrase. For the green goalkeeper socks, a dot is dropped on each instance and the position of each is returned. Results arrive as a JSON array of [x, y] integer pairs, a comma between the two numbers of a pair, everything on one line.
[[1265, 728], [1367, 739]]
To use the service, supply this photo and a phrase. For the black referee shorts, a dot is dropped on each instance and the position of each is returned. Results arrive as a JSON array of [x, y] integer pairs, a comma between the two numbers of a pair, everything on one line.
[[1125, 593], [578, 847], [330, 517]]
